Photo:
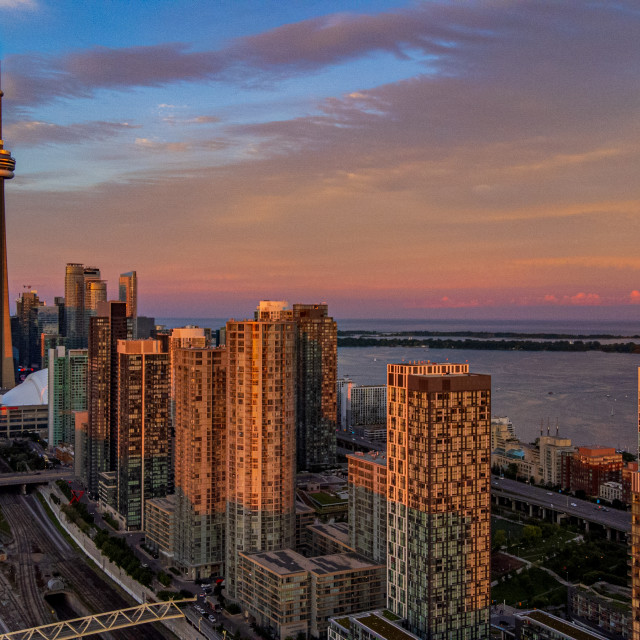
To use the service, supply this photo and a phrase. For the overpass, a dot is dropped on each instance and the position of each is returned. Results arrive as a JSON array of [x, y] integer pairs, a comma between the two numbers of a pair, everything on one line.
[[101, 623], [34, 477], [548, 505]]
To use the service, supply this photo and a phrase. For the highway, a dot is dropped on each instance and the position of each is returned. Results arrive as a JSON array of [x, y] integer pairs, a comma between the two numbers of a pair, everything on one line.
[[34, 477], [560, 502]]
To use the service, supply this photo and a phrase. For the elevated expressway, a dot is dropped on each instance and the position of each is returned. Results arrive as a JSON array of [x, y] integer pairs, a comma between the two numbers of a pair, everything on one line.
[[556, 507], [22, 478]]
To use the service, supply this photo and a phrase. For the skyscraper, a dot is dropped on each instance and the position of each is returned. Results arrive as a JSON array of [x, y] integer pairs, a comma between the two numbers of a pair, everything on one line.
[[109, 326], [67, 392], [199, 377], [316, 372], [438, 453], [143, 416], [29, 344], [7, 371], [317, 366], [180, 338], [83, 290], [128, 292], [260, 439], [95, 291], [74, 302]]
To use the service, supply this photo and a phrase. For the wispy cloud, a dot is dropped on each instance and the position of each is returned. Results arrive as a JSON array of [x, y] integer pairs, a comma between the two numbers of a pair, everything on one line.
[[35, 132], [18, 4], [454, 40]]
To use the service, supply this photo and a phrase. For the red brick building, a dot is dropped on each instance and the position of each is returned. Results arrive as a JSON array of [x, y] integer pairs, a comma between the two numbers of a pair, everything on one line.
[[588, 467]]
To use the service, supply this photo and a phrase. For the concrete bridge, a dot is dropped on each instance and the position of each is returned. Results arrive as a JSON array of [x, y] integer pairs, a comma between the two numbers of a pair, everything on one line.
[[558, 507], [22, 478]]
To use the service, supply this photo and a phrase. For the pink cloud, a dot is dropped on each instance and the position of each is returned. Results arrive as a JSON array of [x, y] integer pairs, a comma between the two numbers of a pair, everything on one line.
[[585, 299]]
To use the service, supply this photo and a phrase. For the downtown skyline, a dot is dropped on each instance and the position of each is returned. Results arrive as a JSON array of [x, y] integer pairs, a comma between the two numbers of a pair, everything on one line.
[[398, 159]]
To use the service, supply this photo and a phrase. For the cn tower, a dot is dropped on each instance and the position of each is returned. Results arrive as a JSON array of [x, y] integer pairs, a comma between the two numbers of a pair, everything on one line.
[[7, 374]]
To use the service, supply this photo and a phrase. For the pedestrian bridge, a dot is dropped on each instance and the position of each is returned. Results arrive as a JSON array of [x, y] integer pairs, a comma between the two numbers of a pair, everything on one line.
[[102, 622]]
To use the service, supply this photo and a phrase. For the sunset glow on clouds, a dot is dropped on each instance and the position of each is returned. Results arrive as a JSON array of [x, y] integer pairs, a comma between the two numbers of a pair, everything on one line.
[[390, 158]]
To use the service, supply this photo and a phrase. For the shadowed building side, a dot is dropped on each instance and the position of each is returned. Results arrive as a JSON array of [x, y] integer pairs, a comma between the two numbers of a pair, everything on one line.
[[317, 363], [143, 416]]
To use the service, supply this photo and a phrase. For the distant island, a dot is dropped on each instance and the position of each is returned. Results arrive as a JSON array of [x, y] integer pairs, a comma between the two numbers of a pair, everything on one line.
[[489, 341]]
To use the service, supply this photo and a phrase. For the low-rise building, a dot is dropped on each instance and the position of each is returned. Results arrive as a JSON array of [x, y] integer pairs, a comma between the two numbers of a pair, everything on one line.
[[502, 432], [610, 616], [159, 526], [610, 491], [525, 457], [290, 594], [551, 450], [330, 538], [589, 467], [371, 625], [305, 517], [108, 491], [539, 625]]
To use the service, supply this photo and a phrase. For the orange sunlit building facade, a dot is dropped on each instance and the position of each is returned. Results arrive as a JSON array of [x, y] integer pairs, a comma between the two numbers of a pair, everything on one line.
[[438, 454], [199, 378], [589, 467], [261, 426]]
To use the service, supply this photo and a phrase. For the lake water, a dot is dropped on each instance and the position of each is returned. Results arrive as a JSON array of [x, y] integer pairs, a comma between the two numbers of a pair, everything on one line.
[[593, 396]]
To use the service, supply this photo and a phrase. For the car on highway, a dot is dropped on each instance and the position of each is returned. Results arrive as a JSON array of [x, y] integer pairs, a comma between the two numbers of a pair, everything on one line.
[[573, 504], [549, 493], [212, 619]]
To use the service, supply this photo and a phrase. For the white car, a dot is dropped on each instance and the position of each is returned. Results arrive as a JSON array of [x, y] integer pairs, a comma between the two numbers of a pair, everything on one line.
[[573, 504]]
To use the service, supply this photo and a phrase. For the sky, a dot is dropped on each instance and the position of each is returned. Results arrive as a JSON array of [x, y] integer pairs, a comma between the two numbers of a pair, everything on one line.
[[391, 158]]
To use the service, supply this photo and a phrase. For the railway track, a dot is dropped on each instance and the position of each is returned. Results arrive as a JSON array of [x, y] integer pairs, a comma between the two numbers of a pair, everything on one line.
[[36, 609], [91, 588]]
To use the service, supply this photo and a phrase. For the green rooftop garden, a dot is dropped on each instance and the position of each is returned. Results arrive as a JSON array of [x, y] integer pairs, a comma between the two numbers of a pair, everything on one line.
[[327, 498], [384, 628], [562, 627]]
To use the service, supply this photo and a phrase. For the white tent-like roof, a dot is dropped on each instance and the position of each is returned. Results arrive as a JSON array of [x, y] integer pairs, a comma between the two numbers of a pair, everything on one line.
[[34, 390]]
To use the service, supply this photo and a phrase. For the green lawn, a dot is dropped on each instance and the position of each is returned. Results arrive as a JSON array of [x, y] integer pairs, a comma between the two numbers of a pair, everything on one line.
[[530, 588]]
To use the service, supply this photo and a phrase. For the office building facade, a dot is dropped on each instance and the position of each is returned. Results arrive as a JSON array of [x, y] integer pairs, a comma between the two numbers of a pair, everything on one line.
[[317, 365], [128, 293], [143, 417], [106, 329]]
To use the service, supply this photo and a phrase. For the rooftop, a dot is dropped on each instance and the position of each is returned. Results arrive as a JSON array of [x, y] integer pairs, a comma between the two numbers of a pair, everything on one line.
[[33, 391], [288, 561], [381, 626], [370, 456], [336, 530], [561, 626]]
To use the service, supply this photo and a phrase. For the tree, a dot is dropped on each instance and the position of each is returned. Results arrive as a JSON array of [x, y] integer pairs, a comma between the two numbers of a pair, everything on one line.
[[499, 539], [531, 535]]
